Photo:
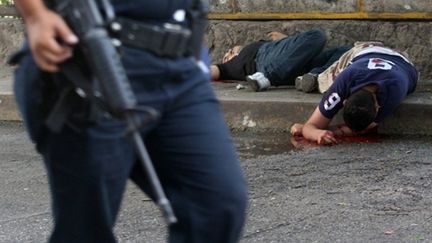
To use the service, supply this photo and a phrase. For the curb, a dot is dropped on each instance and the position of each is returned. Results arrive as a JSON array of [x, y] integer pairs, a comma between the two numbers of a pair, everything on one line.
[[277, 109], [8, 108]]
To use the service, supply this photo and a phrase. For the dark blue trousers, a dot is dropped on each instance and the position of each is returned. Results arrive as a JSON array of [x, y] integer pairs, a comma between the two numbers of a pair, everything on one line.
[[283, 60], [325, 59], [189, 144]]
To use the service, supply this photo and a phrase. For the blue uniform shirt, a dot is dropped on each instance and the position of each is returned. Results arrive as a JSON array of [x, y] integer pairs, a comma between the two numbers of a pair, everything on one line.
[[394, 77], [146, 10]]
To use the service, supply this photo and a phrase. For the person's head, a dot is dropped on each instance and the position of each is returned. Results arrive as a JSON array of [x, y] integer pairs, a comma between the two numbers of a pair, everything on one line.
[[360, 110], [231, 53]]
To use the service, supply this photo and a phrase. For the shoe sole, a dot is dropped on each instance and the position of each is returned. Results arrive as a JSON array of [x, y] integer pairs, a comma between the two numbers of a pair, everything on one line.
[[253, 84], [309, 83]]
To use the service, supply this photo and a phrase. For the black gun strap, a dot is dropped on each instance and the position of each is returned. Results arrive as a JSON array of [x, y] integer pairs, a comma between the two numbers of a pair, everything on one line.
[[71, 78], [61, 110]]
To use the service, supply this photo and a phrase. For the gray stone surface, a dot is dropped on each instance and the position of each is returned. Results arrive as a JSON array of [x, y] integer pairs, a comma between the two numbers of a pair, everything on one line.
[[278, 108], [11, 32], [398, 6], [333, 6], [7, 10], [412, 37], [377, 191], [330, 6], [221, 6], [283, 6]]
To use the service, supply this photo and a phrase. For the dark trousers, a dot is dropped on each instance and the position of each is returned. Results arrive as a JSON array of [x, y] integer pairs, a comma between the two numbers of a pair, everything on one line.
[[283, 60], [190, 146], [325, 59]]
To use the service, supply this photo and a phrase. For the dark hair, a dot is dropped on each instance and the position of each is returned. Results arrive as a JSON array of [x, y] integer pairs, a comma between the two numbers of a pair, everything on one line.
[[359, 110]]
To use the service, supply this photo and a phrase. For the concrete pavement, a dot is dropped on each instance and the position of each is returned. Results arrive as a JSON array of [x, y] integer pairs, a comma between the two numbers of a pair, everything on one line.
[[8, 111], [278, 108]]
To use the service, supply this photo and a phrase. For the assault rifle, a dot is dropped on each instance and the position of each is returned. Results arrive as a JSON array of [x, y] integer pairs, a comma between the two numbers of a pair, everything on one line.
[[93, 21]]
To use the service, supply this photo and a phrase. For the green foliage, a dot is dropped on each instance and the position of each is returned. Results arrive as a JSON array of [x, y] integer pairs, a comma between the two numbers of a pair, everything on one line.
[[6, 2]]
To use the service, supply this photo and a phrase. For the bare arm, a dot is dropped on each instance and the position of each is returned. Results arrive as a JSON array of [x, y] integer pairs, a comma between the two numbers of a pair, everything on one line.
[[215, 72], [274, 35], [44, 27], [315, 129]]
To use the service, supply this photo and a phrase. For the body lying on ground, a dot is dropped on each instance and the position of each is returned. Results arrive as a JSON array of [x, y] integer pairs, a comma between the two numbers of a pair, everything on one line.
[[368, 83], [277, 62]]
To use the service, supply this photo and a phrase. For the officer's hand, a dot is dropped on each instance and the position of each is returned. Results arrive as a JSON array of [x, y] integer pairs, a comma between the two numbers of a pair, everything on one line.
[[326, 137], [44, 30]]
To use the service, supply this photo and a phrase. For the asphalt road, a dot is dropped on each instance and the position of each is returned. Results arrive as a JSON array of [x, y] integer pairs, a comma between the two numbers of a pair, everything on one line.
[[353, 192]]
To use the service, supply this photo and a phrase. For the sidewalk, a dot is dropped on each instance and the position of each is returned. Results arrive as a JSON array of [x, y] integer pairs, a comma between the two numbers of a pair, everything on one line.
[[8, 110], [278, 108]]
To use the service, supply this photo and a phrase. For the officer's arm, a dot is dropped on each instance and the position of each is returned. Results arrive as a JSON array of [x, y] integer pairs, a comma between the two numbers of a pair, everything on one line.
[[29, 8], [315, 129], [44, 28]]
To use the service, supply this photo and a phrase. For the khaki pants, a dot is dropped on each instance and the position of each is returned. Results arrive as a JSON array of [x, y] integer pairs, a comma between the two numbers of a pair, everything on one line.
[[326, 78]]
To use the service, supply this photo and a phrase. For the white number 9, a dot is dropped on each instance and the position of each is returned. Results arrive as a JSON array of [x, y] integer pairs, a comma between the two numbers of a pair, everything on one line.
[[332, 101]]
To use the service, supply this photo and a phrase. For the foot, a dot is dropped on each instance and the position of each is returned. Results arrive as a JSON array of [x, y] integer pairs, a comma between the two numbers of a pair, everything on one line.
[[258, 82], [298, 83], [309, 82]]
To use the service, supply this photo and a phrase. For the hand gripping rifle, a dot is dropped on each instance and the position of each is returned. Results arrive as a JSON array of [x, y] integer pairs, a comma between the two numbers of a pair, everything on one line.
[[92, 21]]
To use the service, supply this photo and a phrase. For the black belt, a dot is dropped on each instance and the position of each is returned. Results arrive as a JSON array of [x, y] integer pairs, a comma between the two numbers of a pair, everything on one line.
[[167, 40]]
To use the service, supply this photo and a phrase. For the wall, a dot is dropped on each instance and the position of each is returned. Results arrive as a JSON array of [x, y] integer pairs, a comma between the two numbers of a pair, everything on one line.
[[11, 31], [401, 24]]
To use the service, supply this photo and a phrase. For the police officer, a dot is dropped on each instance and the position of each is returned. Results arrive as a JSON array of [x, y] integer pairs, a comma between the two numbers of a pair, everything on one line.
[[88, 164]]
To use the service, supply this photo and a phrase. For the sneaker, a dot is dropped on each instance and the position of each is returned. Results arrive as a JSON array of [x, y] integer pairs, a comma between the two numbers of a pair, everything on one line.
[[298, 83], [309, 82], [258, 82]]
